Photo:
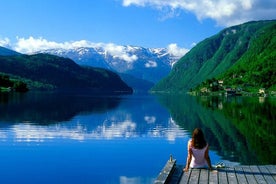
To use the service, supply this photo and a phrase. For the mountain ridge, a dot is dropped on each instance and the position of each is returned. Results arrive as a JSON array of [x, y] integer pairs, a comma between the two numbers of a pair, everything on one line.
[[45, 71], [150, 64], [213, 57]]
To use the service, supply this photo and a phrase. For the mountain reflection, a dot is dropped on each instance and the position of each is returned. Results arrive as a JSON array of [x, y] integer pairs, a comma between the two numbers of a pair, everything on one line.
[[46, 108], [239, 128], [39, 117]]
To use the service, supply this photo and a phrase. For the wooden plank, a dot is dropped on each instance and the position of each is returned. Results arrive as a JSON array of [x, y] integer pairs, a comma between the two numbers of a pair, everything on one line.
[[194, 177], [185, 177], [166, 172], [252, 174], [204, 176], [213, 177], [257, 174], [249, 175], [240, 175], [272, 170], [222, 176], [231, 175], [266, 174]]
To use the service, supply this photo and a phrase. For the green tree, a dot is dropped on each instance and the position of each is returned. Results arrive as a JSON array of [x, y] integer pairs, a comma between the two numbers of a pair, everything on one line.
[[20, 86], [5, 81]]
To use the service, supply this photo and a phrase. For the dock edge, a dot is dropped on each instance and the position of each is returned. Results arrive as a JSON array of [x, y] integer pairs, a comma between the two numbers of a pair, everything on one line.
[[166, 172]]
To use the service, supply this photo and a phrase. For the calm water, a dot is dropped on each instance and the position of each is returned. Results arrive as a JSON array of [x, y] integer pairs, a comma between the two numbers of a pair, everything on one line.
[[63, 138]]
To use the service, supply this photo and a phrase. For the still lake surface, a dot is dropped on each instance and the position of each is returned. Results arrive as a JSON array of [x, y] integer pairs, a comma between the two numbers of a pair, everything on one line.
[[66, 138]]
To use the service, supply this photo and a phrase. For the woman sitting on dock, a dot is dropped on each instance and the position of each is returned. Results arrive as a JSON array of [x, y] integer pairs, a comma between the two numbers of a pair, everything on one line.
[[198, 152]]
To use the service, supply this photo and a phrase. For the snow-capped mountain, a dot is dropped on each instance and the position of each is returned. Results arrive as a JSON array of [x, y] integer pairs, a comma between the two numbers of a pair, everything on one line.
[[150, 64]]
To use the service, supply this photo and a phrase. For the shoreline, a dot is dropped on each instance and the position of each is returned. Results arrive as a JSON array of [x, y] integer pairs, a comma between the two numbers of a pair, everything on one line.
[[223, 93]]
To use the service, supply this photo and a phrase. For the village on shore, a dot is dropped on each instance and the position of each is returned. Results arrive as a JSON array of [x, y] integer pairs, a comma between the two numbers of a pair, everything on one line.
[[217, 88]]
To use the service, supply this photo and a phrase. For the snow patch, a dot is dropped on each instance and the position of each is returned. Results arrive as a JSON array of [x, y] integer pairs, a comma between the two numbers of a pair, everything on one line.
[[151, 64]]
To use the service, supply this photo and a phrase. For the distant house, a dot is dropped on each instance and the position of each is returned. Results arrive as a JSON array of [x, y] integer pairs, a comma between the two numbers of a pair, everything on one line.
[[220, 82], [262, 91], [204, 90]]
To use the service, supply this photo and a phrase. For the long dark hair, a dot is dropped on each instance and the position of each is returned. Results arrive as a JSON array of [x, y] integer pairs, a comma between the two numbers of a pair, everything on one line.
[[198, 140]]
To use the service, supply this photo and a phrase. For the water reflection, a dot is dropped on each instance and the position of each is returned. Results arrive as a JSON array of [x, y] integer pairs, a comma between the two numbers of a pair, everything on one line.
[[127, 180], [239, 128], [36, 117], [46, 108]]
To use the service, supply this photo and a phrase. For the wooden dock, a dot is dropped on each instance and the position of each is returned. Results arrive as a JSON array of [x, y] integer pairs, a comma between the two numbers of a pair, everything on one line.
[[244, 174]]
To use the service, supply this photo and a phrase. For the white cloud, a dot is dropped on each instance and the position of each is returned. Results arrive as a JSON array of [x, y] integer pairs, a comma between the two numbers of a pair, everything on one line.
[[118, 51], [151, 64], [224, 12], [31, 45], [176, 51], [5, 42]]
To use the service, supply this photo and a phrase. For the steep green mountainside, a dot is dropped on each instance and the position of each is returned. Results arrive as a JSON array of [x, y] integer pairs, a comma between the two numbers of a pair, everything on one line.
[[256, 67], [251, 45], [44, 71]]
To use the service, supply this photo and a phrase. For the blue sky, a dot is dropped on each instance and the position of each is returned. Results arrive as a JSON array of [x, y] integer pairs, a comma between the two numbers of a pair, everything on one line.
[[147, 23]]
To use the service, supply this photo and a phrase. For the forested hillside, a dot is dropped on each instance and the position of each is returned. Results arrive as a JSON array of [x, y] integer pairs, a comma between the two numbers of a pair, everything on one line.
[[257, 67], [239, 55], [48, 72]]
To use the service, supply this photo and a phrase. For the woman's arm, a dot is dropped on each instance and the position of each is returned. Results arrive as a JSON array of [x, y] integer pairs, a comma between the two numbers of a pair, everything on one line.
[[189, 157], [207, 157]]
